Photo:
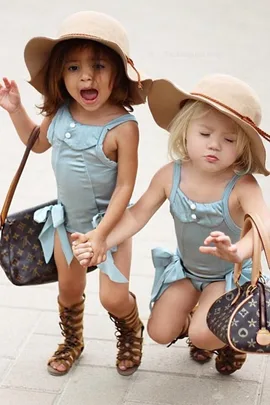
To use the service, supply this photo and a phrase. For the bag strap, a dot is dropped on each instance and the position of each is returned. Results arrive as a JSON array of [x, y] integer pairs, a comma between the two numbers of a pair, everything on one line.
[[263, 234], [31, 141], [260, 239]]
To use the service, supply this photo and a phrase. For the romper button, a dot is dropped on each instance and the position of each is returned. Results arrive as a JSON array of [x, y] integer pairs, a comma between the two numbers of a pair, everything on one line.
[[193, 206], [72, 125], [193, 216], [67, 135]]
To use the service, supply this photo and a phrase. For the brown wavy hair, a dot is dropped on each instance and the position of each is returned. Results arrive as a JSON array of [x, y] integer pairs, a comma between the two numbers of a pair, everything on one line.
[[55, 92]]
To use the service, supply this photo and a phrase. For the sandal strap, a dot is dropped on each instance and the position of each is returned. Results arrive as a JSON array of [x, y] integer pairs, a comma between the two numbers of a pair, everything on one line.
[[129, 344], [196, 351], [71, 325], [229, 359], [66, 355]]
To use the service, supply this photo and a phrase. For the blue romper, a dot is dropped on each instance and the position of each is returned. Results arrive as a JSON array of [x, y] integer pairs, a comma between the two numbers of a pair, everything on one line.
[[193, 223], [85, 179]]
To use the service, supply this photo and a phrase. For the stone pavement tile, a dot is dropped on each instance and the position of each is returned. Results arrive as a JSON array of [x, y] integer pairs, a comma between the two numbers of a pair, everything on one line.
[[136, 284], [94, 385], [168, 389], [100, 353], [92, 282], [18, 397], [29, 371], [177, 360], [103, 353], [139, 403], [4, 364], [34, 297], [265, 394], [3, 278], [16, 324]]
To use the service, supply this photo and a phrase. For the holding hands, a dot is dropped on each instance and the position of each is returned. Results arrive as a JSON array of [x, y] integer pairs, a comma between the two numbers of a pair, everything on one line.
[[89, 249], [10, 98], [223, 247]]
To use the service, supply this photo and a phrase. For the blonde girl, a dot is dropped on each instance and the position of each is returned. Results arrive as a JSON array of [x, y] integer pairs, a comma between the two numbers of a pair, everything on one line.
[[216, 146]]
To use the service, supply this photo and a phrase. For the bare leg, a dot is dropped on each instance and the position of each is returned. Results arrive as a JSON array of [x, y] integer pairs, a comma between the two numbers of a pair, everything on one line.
[[199, 333], [115, 297], [171, 310], [71, 284], [122, 307]]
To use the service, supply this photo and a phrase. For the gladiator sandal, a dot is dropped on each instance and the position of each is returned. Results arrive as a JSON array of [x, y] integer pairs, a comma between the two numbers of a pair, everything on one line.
[[199, 355], [71, 325], [229, 360], [129, 335]]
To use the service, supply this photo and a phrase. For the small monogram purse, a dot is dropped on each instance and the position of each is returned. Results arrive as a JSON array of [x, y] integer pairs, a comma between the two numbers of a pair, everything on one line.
[[21, 254], [241, 317]]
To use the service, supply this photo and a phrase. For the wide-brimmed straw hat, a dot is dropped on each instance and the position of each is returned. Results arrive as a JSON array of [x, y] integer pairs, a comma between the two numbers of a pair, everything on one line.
[[225, 93], [94, 26]]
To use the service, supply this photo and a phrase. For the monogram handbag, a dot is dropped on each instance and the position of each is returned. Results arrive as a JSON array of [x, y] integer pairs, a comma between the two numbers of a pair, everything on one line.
[[241, 317], [21, 254]]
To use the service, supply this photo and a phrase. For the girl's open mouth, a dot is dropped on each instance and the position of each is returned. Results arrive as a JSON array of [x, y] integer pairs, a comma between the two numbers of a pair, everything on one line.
[[89, 95]]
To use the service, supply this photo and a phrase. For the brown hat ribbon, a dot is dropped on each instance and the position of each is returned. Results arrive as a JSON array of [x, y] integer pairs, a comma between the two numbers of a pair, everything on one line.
[[246, 119], [131, 63]]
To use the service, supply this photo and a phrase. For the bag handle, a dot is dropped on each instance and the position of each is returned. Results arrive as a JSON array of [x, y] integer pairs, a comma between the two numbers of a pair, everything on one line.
[[31, 141], [260, 239]]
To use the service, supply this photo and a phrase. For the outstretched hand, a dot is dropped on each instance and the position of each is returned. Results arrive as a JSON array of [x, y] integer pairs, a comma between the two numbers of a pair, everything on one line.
[[10, 98], [223, 247]]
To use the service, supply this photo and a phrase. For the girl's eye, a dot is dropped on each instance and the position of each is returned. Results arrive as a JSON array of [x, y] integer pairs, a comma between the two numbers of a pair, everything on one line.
[[98, 66], [204, 134], [73, 68], [229, 140]]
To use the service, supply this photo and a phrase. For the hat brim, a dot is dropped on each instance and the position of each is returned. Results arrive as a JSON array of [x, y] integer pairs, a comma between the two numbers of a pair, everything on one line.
[[165, 100], [38, 50]]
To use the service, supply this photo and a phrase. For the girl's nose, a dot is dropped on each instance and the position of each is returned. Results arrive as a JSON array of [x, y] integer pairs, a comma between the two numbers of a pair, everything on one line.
[[87, 74], [214, 143]]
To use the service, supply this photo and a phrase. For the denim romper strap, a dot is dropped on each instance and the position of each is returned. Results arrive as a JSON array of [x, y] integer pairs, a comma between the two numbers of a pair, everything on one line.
[[176, 180]]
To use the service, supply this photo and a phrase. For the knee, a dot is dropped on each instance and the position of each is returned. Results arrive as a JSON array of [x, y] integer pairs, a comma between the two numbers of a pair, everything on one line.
[[159, 335], [71, 289], [113, 302]]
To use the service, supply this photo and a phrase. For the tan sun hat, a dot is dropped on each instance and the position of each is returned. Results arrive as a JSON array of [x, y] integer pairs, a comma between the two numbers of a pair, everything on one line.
[[227, 94], [93, 26]]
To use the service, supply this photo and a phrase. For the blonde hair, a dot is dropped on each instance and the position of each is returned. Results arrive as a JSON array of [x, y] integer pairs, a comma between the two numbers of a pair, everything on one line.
[[192, 110]]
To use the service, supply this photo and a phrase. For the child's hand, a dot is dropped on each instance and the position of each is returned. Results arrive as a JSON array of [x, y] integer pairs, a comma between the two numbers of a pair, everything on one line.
[[89, 250], [224, 249], [82, 249], [10, 98], [98, 246]]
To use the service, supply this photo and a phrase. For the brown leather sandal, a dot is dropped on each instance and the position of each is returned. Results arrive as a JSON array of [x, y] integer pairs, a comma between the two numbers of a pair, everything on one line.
[[229, 360], [71, 325], [129, 335], [199, 355]]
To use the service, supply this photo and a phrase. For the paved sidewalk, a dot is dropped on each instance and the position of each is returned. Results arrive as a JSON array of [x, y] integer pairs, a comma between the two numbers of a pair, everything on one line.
[[183, 41]]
